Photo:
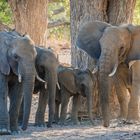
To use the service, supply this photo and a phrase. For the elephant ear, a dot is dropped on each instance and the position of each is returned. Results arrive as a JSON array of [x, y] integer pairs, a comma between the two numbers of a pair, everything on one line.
[[14, 65], [134, 52], [89, 36], [4, 65], [66, 77]]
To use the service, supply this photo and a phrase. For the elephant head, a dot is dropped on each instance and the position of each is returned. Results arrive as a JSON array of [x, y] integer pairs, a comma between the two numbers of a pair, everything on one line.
[[110, 46], [46, 65], [17, 55]]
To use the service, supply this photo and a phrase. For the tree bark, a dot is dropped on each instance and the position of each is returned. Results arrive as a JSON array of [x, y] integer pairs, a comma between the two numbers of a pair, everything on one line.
[[30, 17], [111, 11]]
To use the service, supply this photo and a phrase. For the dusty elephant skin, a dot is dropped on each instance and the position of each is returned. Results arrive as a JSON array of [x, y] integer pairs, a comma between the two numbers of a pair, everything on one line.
[[111, 46], [17, 76], [46, 65], [73, 82]]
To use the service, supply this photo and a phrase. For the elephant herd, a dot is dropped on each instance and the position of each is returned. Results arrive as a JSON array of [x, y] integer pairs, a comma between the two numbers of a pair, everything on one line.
[[26, 68]]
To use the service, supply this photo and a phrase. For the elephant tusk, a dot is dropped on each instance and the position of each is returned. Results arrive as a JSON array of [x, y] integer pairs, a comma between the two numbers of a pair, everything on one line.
[[95, 70], [45, 85], [131, 63], [19, 78], [114, 70], [41, 80], [58, 85]]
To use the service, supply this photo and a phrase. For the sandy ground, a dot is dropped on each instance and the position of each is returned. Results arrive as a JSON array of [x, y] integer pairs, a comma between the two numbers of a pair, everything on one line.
[[84, 131]]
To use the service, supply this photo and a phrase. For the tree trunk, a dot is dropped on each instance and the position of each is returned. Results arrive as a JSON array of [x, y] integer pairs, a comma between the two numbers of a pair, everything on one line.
[[82, 11], [31, 17]]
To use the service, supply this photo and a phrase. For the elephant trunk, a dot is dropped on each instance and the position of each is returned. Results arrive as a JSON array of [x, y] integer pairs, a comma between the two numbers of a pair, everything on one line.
[[26, 74], [28, 86], [51, 75], [107, 67]]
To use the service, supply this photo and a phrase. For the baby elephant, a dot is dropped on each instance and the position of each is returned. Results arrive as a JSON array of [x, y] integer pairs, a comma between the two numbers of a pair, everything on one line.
[[73, 82]]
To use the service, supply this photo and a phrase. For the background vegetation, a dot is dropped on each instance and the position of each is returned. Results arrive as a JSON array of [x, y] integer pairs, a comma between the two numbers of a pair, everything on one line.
[[60, 32]]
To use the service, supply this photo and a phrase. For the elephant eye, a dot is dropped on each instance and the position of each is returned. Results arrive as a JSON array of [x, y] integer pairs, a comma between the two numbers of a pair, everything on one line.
[[16, 56]]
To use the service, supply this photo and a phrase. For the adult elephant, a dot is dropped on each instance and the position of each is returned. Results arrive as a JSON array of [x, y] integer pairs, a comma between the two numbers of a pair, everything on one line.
[[17, 76], [127, 84], [111, 46], [73, 83], [46, 65]]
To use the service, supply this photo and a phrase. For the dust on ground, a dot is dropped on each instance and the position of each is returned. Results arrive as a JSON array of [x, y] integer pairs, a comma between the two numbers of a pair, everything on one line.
[[84, 131]]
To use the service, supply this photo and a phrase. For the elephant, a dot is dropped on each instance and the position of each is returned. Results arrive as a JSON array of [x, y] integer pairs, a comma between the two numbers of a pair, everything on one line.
[[124, 80], [111, 46], [17, 76], [73, 83], [46, 65]]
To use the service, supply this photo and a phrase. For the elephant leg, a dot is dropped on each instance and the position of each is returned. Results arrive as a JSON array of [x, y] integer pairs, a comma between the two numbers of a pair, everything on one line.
[[15, 95], [65, 95], [56, 115], [133, 108], [75, 105], [4, 116], [122, 94], [20, 118], [40, 114]]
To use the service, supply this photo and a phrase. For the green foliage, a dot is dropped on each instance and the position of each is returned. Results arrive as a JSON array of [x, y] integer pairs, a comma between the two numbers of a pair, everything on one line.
[[60, 32], [136, 16], [5, 13], [56, 5]]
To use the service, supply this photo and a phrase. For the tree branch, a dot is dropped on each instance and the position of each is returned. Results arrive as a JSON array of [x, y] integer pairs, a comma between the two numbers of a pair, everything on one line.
[[58, 23], [58, 11], [54, 1]]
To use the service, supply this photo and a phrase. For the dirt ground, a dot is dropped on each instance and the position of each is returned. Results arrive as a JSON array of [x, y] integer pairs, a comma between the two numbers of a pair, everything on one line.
[[83, 131]]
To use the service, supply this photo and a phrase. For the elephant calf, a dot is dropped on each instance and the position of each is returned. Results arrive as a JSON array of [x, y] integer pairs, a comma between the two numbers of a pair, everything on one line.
[[73, 82]]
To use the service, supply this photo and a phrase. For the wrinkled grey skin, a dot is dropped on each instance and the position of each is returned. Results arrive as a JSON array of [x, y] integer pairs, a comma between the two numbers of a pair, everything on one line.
[[128, 79], [73, 82], [17, 61], [46, 65], [111, 46], [123, 84]]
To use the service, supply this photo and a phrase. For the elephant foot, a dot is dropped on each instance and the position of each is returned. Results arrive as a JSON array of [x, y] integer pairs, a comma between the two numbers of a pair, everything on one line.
[[49, 125], [123, 115], [129, 122], [4, 125], [106, 123], [133, 115], [56, 120], [4, 131], [74, 122], [62, 123], [40, 124], [16, 132], [39, 120], [133, 118]]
